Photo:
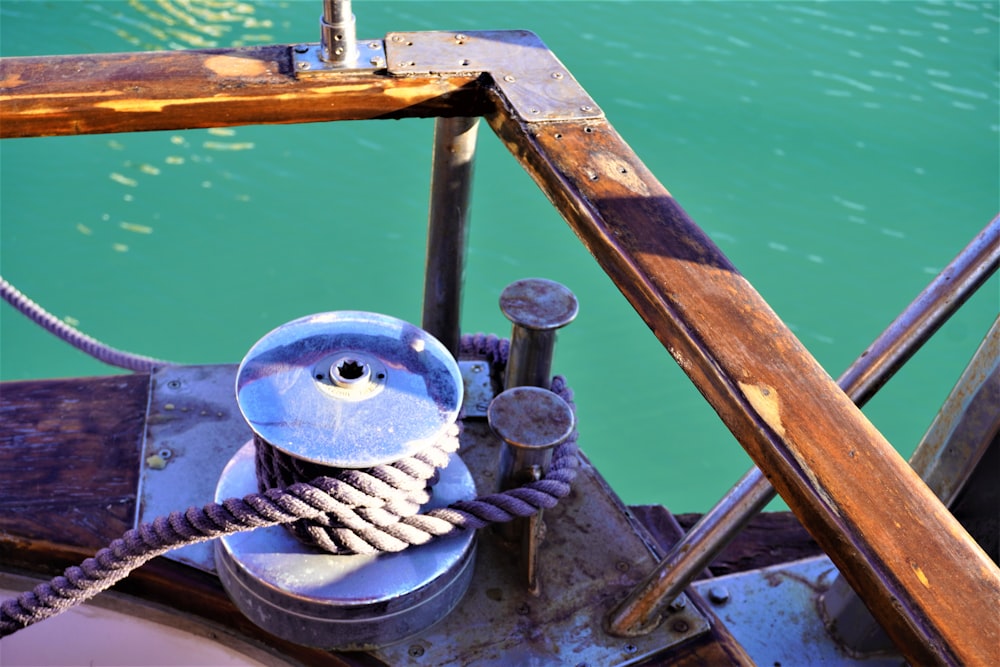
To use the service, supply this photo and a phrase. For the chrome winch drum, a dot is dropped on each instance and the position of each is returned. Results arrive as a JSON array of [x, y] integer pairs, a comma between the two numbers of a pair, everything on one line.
[[346, 390]]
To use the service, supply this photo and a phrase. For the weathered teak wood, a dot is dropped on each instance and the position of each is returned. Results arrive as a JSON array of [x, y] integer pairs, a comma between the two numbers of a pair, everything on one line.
[[58, 435], [69, 475], [127, 92], [913, 564], [911, 561]]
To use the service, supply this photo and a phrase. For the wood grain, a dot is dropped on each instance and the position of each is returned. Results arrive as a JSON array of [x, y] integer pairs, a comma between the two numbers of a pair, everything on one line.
[[914, 565], [129, 92]]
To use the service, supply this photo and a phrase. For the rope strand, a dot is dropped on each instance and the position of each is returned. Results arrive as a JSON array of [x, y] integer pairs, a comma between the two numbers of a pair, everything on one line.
[[341, 514], [79, 340]]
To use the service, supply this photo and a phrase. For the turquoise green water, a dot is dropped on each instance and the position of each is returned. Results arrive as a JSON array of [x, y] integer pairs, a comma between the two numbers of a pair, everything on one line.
[[839, 153]]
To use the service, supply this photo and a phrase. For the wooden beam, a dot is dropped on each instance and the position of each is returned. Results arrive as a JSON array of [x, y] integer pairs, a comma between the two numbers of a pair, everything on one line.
[[911, 561], [169, 90]]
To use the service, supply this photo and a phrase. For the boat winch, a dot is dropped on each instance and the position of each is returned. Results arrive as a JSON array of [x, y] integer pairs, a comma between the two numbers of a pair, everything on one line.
[[360, 401]]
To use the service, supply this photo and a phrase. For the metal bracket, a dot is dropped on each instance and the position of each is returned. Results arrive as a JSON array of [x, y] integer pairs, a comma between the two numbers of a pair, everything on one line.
[[308, 61], [537, 86]]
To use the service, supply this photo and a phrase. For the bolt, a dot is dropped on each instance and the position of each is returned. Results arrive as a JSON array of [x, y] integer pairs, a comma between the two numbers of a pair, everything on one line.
[[678, 604], [416, 651], [460, 38], [680, 626], [718, 595], [377, 61]]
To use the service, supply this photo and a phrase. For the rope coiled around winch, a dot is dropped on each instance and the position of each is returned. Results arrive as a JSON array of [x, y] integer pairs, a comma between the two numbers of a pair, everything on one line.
[[363, 521]]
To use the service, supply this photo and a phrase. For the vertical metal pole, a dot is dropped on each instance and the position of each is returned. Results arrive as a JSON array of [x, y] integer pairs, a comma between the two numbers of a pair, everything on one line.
[[531, 421], [338, 42], [641, 611], [447, 229], [537, 308]]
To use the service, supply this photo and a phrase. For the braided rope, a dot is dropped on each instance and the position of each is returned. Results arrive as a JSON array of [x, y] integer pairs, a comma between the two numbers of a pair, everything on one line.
[[344, 514], [79, 340]]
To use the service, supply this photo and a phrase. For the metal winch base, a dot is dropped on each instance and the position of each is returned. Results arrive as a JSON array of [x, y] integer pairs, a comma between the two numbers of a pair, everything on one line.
[[333, 602]]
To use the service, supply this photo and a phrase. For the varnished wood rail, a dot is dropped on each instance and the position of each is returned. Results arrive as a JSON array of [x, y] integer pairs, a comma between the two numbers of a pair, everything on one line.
[[916, 568]]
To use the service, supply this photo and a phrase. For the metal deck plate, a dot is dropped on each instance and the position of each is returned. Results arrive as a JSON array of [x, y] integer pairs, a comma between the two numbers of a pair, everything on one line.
[[593, 554], [773, 614]]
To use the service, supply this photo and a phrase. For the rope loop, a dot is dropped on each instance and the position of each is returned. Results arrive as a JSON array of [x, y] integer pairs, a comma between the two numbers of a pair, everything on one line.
[[350, 512]]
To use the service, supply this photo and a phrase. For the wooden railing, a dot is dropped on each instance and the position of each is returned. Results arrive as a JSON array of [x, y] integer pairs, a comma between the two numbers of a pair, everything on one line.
[[925, 580]]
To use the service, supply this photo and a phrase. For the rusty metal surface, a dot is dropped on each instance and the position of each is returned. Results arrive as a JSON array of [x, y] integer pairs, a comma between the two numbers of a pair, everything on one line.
[[847, 485], [792, 630], [535, 84], [590, 557], [592, 552]]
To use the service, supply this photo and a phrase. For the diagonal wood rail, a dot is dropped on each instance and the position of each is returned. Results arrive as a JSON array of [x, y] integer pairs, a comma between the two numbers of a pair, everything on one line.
[[913, 564]]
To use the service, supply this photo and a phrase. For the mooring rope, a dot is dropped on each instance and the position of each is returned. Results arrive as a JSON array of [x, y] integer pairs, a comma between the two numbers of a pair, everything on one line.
[[79, 340], [352, 515]]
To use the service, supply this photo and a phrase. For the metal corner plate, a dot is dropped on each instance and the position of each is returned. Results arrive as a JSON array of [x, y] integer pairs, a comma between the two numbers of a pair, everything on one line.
[[534, 82]]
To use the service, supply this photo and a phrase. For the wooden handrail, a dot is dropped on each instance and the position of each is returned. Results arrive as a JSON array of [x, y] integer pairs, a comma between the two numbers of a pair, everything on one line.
[[911, 561], [173, 90]]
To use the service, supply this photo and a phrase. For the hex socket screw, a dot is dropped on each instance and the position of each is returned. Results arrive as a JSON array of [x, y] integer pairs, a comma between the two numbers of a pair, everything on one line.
[[531, 421], [537, 308]]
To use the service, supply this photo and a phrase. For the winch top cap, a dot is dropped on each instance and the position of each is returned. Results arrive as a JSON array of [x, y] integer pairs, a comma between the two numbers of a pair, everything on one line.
[[349, 389]]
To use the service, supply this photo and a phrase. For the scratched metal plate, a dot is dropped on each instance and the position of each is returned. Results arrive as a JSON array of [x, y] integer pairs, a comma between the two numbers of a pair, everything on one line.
[[534, 81], [193, 428], [593, 553], [591, 557]]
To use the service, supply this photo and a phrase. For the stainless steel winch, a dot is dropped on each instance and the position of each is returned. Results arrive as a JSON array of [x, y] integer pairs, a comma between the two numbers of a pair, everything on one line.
[[346, 390]]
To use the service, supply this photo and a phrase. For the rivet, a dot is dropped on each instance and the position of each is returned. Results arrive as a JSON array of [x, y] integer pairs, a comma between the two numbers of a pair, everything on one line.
[[460, 37], [373, 45], [377, 61], [557, 75], [509, 78], [164, 453], [174, 384], [622, 566], [416, 651], [680, 626], [630, 648], [304, 65], [523, 609], [533, 110], [586, 107], [301, 48]]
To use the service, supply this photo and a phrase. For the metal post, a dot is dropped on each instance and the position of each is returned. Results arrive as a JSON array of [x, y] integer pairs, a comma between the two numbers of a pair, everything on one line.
[[641, 612], [531, 421], [537, 308], [338, 41], [447, 229]]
